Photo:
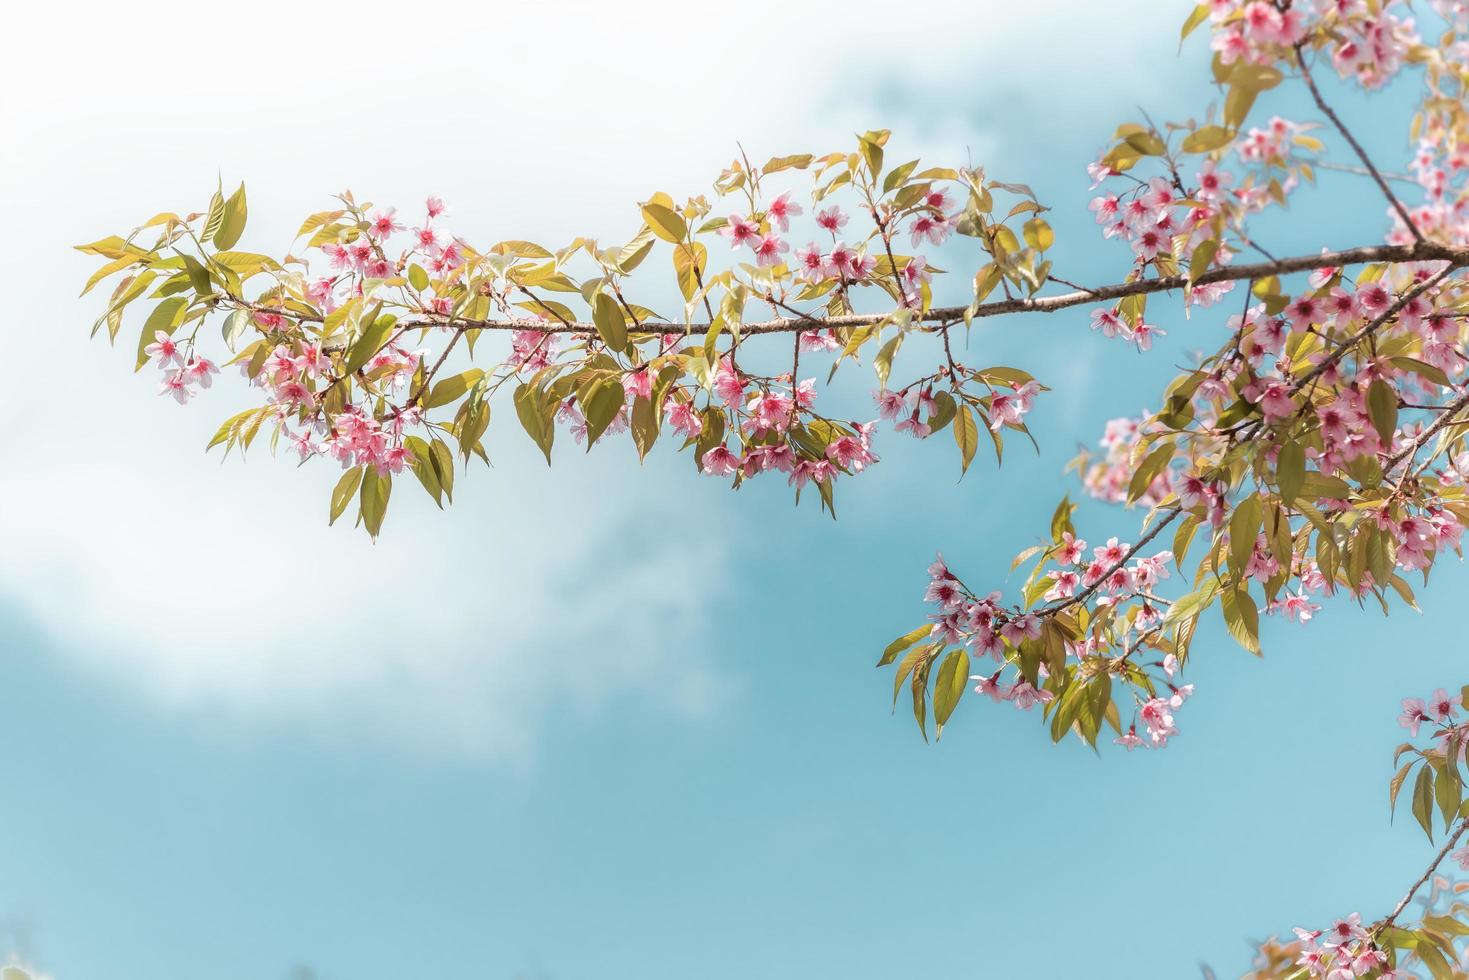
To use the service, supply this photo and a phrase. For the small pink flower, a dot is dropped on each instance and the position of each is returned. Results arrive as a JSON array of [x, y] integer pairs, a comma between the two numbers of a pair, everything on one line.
[[768, 250], [719, 461], [781, 210], [384, 224], [175, 387], [833, 219], [200, 371], [638, 384], [1442, 706], [164, 349], [740, 231]]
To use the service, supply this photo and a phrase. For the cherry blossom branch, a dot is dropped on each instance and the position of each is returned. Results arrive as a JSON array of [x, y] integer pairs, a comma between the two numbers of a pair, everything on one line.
[[1090, 590], [1432, 867], [1348, 345], [1352, 142], [1450, 412], [1422, 251]]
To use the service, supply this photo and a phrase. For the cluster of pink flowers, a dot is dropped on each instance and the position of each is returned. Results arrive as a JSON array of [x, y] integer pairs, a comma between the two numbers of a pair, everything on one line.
[[1440, 708], [930, 224], [1439, 168], [183, 374], [1108, 476], [912, 409], [1343, 951], [366, 256], [1254, 31], [1370, 41], [357, 439], [1148, 216], [985, 627], [1271, 145], [1105, 570], [771, 414], [531, 350], [1156, 713]]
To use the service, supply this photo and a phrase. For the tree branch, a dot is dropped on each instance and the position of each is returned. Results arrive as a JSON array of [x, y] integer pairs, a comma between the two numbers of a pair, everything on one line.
[[1352, 142], [1437, 860], [1422, 251]]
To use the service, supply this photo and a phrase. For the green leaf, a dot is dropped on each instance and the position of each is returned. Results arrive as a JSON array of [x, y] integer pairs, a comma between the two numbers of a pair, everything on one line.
[[1448, 793], [1256, 78], [541, 430], [948, 687], [666, 223], [905, 667], [1038, 234], [1315, 484], [600, 403], [443, 459], [346, 488], [165, 317], [1242, 618], [1290, 470], [1438, 967], [215, 216], [883, 362], [1193, 603], [871, 155], [376, 489], [1423, 800], [607, 315], [232, 222], [688, 263], [1152, 465], [1237, 104], [1244, 524], [368, 342], [643, 421], [1199, 15], [1198, 263], [966, 436], [198, 276], [234, 327], [1206, 139], [425, 469], [417, 278], [1147, 144], [1382, 407], [1396, 785], [944, 411], [452, 389], [902, 643], [798, 161], [897, 176]]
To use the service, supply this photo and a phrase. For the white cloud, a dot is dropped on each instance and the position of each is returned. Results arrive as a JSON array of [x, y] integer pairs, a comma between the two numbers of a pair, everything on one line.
[[220, 589]]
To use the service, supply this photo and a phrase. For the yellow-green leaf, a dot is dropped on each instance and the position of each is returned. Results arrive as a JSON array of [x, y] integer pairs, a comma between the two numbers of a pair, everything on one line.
[[607, 315], [232, 222], [666, 223]]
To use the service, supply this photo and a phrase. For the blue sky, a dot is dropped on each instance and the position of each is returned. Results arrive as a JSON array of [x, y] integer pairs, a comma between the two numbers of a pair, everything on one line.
[[623, 723]]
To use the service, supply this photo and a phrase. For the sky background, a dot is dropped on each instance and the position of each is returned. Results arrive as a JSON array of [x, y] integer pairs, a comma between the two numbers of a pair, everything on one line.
[[609, 720]]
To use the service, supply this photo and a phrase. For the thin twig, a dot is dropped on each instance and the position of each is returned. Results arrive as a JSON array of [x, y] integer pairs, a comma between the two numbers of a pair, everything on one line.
[[1352, 142], [1437, 860], [1086, 593]]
